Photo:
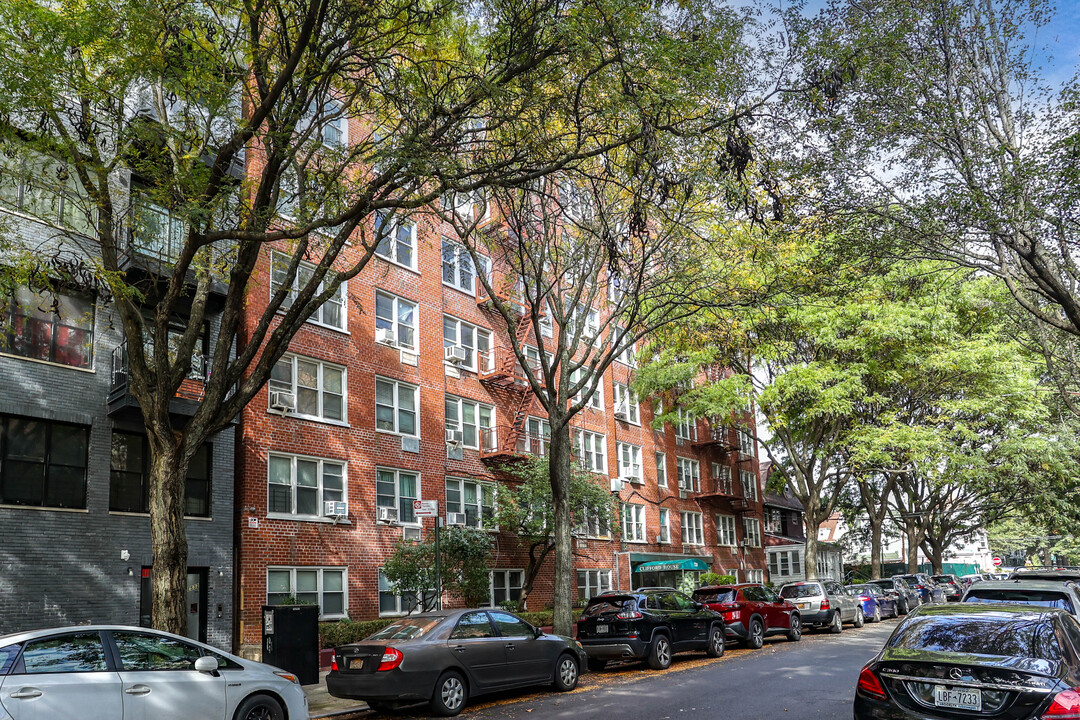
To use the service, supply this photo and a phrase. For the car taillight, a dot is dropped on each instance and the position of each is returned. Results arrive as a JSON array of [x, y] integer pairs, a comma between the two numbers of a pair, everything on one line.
[[730, 615], [863, 598], [629, 615], [1066, 705], [920, 587], [391, 659], [870, 685], [333, 664], [825, 605]]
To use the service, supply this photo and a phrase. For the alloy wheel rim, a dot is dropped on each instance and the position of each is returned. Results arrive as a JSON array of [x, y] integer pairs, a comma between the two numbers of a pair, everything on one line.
[[452, 693], [662, 653], [260, 712], [796, 630], [837, 621], [757, 631], [717, 642], [567, 671]]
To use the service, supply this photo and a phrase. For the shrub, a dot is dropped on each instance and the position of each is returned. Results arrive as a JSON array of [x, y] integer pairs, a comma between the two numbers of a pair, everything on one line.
[[342, 632]]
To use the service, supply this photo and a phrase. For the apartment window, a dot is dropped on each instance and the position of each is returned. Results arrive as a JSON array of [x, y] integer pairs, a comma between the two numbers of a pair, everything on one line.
[[397, 489], [596, 400], [43, 463], [397, 241], [591, 451], [755, 576], [785, 563], [722, 477], [629, 462], [331, 313], [752, 532], [773, 521], [685, 426], [319, 387], [588, 320], [661, 469], [393, 603], [591, 583], [299, 485], [324, 587], [476, 342], [689, 474], [335, 127], [43, 187], [470, 417], [748, 480], [398, 316], [629, 354], [51, 327], [633, 522], [592, 525], [537, 436], [547, 326], [693, 532], [725, 530], [475, 499], [665, 526], [505, 586], [129, 474], [457, 267], [396, 406], [746, 443], [626, 404], [575, 200]]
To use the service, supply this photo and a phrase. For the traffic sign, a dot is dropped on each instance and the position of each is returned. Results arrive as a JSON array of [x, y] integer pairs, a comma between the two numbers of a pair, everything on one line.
[[997, 562], [425, 508]]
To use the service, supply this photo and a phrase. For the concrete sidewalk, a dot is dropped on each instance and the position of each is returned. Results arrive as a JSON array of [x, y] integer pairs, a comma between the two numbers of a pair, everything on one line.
[[322, 704]]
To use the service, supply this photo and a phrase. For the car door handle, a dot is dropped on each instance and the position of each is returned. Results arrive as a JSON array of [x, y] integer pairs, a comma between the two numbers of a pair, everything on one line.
[[26, 694], [509, 646], [137, 690], [459, 648]]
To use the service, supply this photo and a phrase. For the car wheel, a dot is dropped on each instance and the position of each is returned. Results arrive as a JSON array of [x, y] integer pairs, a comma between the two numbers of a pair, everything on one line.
[[903, 610], [860, 619], [794, 632], [716, 646], [837, 624], [660, 653], [260, 707], [596, 665], [877, 614], [450, 694], [380, 706], [566, 673], [756, 636], [895, 610]]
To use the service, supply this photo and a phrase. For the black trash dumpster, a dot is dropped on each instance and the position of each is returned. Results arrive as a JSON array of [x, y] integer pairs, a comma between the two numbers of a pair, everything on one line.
[[291, 640]]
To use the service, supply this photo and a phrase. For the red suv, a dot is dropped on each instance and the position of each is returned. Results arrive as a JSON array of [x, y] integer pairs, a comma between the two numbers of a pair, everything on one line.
[[751, 612]]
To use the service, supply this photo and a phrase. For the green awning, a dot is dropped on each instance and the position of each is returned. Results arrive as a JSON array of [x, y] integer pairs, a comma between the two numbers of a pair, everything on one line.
[[673, 565]]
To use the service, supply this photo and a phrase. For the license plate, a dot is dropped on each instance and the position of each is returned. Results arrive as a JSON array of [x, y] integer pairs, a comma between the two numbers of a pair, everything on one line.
[[960, 698], [600, 629], [356, 663]]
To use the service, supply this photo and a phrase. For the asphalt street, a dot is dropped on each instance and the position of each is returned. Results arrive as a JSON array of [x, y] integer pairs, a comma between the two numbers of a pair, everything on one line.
[[814, 678]]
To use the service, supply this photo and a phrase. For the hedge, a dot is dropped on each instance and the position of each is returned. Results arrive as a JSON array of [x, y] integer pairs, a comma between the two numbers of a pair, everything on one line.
[[342, 632]]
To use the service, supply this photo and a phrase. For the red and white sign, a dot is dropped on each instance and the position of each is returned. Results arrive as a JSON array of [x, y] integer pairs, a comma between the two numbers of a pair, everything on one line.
[[997, 562], [425, 508]]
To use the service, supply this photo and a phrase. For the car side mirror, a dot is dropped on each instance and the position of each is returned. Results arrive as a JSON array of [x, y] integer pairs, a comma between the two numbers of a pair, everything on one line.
[[206, 664], [537, 632]]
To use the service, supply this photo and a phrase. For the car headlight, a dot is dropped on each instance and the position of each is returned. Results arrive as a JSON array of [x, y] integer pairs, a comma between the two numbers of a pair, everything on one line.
[[288, 676]]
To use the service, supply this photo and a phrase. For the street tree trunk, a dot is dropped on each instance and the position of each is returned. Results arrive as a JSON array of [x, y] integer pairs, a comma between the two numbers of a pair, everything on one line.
[[168, 472], [875, 548], [812, 518], [559, 463], [911, 531]]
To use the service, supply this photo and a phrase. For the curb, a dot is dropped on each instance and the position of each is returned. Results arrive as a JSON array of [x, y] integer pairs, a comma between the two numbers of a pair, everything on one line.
[[340, 713]]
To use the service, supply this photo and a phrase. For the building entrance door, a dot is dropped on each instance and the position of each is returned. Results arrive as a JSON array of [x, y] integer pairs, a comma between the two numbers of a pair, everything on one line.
[[194, 605]]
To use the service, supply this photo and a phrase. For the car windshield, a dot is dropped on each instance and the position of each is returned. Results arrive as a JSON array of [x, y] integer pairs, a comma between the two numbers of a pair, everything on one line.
[[1043, 598], [800, 591], [714, 595], [608, 605], [1012, 636], [407, 628], [882, 586]]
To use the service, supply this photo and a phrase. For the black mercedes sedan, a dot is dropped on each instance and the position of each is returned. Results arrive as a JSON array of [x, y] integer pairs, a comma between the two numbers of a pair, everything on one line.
[[446, 657], [1014, 662]]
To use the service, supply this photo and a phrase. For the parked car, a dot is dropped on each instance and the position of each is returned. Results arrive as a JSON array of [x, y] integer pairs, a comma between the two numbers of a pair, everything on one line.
[[970, 580], [447, 657], [824, 604], [951, 585], [1046, 593], [751, 612], [907, 597], [647, 624], [105, 672], [928, 590], [875, 603], [1046, 573], [959, 661]]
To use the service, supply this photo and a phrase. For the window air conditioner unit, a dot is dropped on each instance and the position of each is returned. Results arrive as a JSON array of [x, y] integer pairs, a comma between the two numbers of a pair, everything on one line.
[[453, 518], [621, 411], [683, 493], [747, 543], [385, 336], [659, 540], [454, 354], [616, 485], [387, 515], [335, 508], [282, 401], [454, 436], [411, 533]]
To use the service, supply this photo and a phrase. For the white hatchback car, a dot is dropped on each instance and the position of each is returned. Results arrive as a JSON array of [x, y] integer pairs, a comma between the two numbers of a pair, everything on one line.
[[112, 672]]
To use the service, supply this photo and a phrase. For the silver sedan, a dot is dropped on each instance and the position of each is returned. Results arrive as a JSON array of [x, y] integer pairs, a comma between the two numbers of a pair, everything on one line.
[[112, 672]]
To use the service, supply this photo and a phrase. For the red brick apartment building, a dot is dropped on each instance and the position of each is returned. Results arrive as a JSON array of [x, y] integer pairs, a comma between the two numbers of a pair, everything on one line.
[[358, 414]]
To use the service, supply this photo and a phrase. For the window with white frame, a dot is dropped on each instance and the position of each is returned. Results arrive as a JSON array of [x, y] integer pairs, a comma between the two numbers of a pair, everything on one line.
[[396, 406], [537, 436], [591, 583], [298, 486], [547, 325], [725, 530], [397, 240], [685, 426], [773, 521], [592, 525], [746, 443], [467, 205], [665, 525], [458, 270], [393, 603], [470, 417], [748, 480], [398, 316], [629, 462], [752, 532], [589, 321], [626, 403], [319, 387], [755, 576], [633, 522], [693, 532], [397, 489], [575, 200], [473, 498], [596, 400], [505, 586], [325, 587], [661, 469], [331, 115], [591, 451], [629, 355], [722, 477], [785, 563], [475, 341], [689, 474], [331, 313]]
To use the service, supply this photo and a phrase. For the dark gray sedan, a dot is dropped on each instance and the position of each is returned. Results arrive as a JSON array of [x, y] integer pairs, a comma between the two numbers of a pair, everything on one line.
[[446, 657]]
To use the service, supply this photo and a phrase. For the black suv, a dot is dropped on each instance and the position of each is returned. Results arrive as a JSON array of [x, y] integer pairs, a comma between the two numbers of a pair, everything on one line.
[[907, 597], [647, 624]]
